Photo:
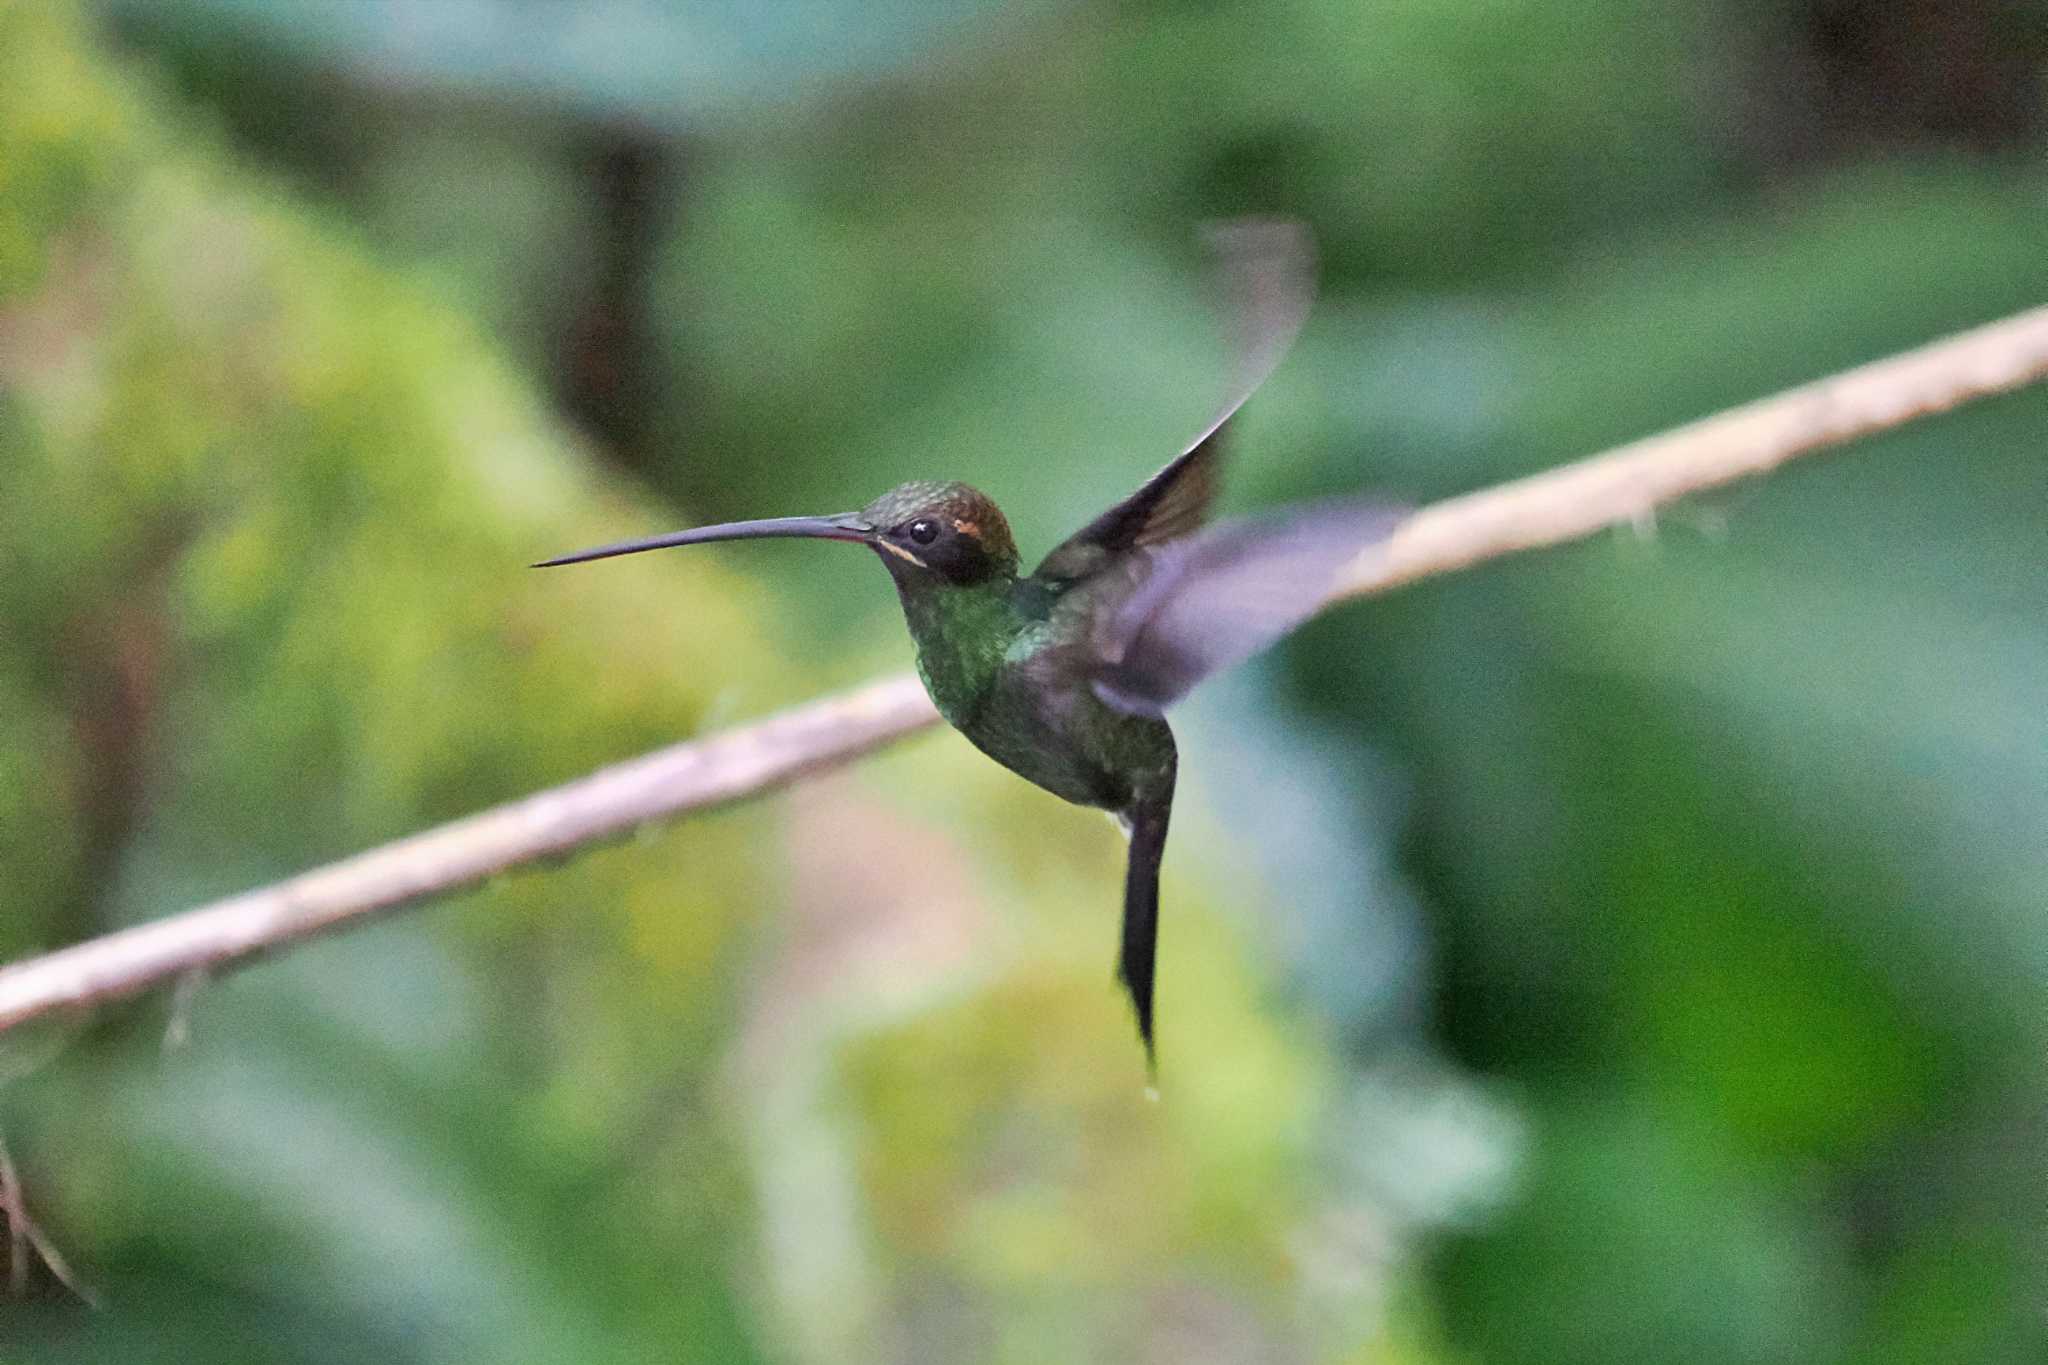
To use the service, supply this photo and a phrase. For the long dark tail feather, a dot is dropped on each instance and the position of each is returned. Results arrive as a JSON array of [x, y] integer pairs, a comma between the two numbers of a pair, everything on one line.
[[1141, 915]]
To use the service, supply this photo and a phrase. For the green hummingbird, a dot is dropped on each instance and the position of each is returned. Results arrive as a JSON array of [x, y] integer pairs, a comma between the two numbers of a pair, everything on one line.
[[1062, 675]]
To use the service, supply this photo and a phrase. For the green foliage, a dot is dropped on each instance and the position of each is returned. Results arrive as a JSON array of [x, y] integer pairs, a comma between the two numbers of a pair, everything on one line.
[[1725, 826], [1630, 953]]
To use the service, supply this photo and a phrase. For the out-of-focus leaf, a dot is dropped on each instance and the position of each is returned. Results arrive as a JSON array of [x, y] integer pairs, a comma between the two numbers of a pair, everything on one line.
[[1627, 1205], [654, 61]]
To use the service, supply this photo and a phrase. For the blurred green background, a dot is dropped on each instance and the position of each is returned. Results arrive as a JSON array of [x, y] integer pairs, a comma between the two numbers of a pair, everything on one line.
[[1636, 952]]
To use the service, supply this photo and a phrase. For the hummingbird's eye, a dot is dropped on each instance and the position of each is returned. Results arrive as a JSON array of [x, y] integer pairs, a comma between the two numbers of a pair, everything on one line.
[[924, 530]]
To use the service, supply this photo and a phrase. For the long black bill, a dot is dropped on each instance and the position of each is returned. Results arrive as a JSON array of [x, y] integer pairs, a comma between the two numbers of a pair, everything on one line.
[[846, 526]]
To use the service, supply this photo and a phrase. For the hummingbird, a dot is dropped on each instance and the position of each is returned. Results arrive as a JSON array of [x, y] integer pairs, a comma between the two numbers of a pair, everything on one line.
[[1063, 675]]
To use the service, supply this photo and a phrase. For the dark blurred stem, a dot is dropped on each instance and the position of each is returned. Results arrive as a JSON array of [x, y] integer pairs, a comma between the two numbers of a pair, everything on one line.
[[114, 665], [1624, 486], [603, 382]]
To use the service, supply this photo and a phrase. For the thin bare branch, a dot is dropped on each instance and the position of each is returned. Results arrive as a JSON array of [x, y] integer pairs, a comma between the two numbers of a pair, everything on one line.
[[23, 1234], [1625, 485], [1628, 483], [673, 781]]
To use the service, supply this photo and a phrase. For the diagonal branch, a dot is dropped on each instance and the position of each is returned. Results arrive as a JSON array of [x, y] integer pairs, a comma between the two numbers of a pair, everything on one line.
[[681, 778], [1563, 504], [1630, 482]]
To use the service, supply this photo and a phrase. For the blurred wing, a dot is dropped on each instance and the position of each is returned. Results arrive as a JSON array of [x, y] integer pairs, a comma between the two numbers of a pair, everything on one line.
[[1212, 600], [1267, 269]]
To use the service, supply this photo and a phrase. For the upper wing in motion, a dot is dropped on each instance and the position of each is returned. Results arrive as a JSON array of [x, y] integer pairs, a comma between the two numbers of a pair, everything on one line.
[[1202, 603], [1267, 269]]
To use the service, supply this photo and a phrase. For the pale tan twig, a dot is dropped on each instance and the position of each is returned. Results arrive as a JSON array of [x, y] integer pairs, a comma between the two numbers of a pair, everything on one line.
[[1623, 486], [1628, 483], [685, 777], [22, 1234]]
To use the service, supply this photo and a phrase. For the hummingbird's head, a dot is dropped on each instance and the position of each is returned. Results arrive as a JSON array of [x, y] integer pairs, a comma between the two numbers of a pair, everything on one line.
[[927, 533], [943, 531]]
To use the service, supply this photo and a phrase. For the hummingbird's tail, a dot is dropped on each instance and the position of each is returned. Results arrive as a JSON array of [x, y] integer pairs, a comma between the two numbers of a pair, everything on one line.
[[1147, 816]]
